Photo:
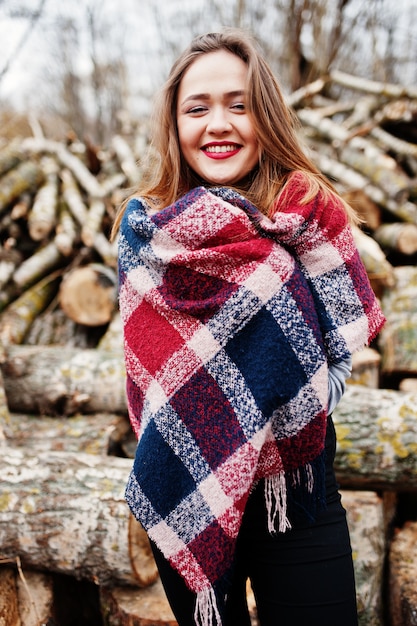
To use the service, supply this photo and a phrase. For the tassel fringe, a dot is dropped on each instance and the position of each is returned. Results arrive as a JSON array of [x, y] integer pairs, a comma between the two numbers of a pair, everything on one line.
[[206, 612], [276, 503]]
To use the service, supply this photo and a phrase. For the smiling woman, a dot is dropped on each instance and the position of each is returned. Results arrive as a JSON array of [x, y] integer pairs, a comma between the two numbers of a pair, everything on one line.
[[242, 297], [215, 130]]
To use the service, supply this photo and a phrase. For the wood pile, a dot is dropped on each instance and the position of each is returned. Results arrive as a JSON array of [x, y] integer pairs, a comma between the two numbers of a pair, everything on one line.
[[63, 416]]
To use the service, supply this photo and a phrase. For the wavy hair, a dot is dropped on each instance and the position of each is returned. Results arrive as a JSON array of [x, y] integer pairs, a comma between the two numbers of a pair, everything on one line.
[[166, 174]]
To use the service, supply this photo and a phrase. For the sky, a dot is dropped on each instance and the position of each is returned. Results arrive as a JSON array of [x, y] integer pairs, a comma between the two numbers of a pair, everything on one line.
[[134, 21], [133, 27]]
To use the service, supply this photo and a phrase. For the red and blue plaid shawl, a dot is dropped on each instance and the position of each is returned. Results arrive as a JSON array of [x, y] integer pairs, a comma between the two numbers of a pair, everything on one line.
[[227, 340]]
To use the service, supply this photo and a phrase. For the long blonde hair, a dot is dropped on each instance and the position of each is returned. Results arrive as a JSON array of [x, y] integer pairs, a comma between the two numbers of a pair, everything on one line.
[[167, 176]]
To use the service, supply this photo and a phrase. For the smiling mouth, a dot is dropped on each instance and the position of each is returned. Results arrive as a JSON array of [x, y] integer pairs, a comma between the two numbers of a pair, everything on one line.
[[221, 150]]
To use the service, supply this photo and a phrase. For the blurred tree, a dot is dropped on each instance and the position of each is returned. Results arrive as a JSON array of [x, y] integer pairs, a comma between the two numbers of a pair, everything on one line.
[[105, 61], [19, 11]]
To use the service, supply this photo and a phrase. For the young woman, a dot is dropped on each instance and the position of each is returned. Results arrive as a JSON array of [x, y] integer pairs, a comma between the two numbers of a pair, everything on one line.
[[243, 297]]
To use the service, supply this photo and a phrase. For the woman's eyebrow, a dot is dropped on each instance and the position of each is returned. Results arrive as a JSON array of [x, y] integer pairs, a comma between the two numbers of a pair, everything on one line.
[[206, 96]]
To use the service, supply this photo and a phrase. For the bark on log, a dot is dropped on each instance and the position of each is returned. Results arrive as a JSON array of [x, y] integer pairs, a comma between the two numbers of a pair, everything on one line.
[[394, 144], [35, 598], [35, 267], [88, 294], [66, 513], [66, 231], [365, 515], [398, 236], [377, 439], [403, 576], [4, 408], [16, 320], [54, 327], [42, 216], [93, 224], [91, 434], [10, 157], [373, 258], [112, 340], [398, 339], [27, 176], [370, 86], [126, 159], [55, 380], [136, 607], [368, 210], [87, 180], [365, 368]]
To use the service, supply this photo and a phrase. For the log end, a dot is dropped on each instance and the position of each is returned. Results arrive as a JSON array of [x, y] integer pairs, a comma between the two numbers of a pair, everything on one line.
[[88, 294], [140, 552]]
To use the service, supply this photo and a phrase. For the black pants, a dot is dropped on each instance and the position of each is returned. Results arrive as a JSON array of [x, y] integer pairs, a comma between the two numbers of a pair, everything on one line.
[[303, 577]]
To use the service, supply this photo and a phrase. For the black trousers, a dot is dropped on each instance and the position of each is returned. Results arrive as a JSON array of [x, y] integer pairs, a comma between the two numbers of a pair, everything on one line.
[[303, 577]]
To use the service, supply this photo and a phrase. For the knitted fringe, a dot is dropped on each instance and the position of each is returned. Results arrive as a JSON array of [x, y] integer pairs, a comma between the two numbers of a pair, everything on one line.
[[276, 503], [206, 612]]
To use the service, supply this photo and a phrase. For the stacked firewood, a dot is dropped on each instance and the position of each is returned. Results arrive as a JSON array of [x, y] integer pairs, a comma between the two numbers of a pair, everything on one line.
[[63, 413]]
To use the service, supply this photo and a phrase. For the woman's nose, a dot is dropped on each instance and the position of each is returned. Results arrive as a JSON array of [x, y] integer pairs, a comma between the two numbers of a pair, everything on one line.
[[218, 121]]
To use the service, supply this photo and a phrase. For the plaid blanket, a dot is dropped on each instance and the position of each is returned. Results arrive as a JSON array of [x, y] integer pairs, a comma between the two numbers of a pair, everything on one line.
[[228, 336]]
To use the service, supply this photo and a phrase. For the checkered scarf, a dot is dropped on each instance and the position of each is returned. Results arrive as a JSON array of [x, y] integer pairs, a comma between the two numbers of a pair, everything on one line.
[[227, 341]]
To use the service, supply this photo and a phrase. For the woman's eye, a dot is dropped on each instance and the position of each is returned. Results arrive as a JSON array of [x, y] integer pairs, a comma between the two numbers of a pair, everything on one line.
[[197, 109], [239, 106]]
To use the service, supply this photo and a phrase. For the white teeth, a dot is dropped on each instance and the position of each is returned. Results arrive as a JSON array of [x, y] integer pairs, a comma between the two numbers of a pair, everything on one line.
[[228, 148]]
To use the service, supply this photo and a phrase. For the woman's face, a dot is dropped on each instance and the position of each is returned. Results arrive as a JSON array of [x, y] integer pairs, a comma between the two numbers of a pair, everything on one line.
[[216, 135]]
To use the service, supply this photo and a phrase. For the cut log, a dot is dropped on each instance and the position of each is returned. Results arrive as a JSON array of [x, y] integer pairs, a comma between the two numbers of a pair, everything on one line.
[[365, 368], [42, 217], [91, 434], [65, 512], [88, 294], [9, 608], [403, 576], [365, 515], [368, 211], [17, 318], [112, 340], [377, 267], [66, 231], [27, 176], [35, 598], [392, 181], [398, 236], [4, 408], [370, 86], [93, 224], [376, 435], [408, 385], [126, 159], [10, 157], [67, 160], [55, 380], [136, 607], [398, 338], [54, 327], [38, 265]]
